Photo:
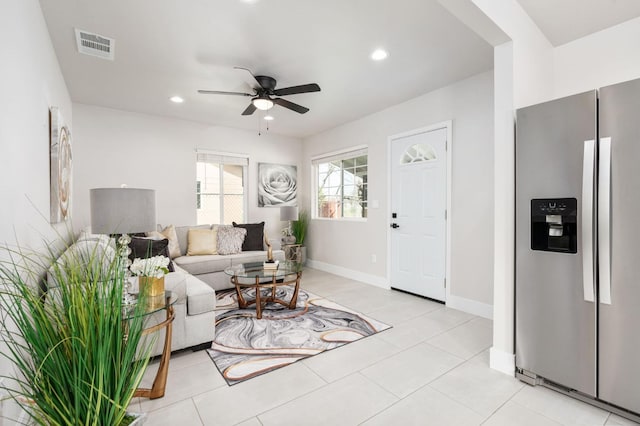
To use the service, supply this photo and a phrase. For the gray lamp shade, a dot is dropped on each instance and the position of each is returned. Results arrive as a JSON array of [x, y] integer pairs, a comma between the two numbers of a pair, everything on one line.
[[288, 213], [122, 210]]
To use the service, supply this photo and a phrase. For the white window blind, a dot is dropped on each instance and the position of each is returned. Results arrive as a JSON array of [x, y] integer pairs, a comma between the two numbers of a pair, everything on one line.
[[340, 155], [210, 157]]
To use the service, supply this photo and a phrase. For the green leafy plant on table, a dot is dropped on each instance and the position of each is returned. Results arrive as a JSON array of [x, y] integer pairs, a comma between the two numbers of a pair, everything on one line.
[[79, 354], [299, 227]]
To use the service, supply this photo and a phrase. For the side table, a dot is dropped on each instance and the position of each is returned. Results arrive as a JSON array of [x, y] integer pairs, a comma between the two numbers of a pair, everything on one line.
[[293, 252], [157, 390]]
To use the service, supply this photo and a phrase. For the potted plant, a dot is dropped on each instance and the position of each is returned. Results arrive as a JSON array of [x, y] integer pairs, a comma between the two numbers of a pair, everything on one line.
[[151, 272], [299, 231], [78, 351]]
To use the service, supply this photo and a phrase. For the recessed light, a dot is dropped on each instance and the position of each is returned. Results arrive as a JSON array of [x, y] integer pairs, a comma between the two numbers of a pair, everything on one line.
[[268, 117], [176, 99], [379, 54]]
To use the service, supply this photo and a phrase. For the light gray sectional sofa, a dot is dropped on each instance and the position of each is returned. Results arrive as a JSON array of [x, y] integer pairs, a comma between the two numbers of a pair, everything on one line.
[[194, 281], [210, 268]]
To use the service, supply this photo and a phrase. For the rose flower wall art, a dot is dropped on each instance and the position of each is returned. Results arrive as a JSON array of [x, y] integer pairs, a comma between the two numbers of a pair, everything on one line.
[[277, 185]]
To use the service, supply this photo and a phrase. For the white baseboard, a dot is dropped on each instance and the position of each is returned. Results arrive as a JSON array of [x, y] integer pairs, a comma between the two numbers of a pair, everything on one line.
[[470, 306], [502, 361], [349, 273]]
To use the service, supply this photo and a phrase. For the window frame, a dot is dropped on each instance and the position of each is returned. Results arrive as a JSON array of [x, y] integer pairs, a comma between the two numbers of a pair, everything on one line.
[[235, 159], [342, 155]]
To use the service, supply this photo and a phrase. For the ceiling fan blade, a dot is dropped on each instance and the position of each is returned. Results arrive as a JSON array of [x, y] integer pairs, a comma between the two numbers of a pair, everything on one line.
[[218, 92], [250, 109], [290, 105], [253, 77], [305, 88]]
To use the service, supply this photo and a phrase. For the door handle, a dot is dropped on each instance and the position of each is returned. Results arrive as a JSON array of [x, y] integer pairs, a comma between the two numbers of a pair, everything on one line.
[[395, 225], [604, 221], [588, 171]]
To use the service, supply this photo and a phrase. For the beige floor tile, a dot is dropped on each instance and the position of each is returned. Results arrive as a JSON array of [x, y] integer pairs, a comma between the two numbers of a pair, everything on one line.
[[365, 301], [230, 405], [615, 420], [426, 407], [416, 330], [512, 414], [352, 399], [180, 413], [410, 370], [404, 310], [253, 421], [478, 387], [345, 360], [185, 383], [559, 407], [465, 340], [335, 381]]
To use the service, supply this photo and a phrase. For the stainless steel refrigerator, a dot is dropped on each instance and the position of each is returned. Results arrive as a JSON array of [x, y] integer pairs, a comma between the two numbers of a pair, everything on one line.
[[577, 310]]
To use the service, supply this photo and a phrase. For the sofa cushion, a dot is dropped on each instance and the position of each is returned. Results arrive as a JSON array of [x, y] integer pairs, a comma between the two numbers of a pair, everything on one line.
[[200, 297], [230, 239], [203, 264], [146, 247], [254, 239], [170, 234], [94, 255], [201, 242], [177, 283], [181, 233], [249, 256]]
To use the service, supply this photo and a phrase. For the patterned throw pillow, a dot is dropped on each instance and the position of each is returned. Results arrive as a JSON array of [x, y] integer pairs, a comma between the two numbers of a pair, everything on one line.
[[230, 239]]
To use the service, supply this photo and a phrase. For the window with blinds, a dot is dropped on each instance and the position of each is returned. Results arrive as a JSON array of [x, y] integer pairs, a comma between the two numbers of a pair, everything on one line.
[[220, 188], [341, 184]]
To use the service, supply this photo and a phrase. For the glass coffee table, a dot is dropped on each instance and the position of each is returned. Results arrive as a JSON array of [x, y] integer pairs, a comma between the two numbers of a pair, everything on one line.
[[254, 275]]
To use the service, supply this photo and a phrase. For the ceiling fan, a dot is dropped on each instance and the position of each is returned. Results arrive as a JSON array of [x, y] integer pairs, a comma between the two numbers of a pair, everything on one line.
[[264, 92]]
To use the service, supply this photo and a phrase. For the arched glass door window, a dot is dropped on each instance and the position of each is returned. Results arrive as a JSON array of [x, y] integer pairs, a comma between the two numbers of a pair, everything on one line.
[[418, 153]]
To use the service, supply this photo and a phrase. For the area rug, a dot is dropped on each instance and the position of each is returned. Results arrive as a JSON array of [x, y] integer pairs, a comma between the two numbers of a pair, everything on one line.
[[246, 347]]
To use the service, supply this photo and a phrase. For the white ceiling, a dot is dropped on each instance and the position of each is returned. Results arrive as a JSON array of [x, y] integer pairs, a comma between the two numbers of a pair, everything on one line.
[[563, 21], [169, 47]]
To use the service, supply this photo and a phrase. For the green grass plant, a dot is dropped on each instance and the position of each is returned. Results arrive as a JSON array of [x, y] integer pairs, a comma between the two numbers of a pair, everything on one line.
[[299, 227], [78, 352]]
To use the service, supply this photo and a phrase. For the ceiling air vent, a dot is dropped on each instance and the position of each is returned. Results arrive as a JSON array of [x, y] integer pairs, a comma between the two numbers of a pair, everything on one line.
[[95, 44]]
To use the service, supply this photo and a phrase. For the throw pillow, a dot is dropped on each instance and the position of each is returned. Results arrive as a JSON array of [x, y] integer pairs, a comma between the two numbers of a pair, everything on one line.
[[201, 242], [144, 248], [170, 234], [255, 236], [230, 239]]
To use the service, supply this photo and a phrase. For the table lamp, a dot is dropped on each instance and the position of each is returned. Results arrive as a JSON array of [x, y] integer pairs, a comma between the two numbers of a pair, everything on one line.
[[289, 213], [123, 211]]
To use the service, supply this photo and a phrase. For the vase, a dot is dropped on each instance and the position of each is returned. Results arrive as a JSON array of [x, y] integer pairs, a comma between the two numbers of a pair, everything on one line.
[[289, 240], [151, 286]]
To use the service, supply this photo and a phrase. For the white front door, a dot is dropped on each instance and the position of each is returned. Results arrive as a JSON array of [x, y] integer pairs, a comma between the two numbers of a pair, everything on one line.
[[419, 202]]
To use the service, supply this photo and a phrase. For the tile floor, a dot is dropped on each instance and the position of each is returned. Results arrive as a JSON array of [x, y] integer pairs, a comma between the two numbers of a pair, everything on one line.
[[430, 369]]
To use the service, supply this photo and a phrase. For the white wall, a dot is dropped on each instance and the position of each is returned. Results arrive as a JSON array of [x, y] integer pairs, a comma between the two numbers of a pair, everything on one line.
[[113, 147], [30, 82], [600, 59], [349, 245]]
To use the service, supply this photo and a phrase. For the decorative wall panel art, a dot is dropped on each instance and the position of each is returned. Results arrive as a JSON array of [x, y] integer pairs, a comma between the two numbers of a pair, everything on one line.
[[277, 185], [60, 167]]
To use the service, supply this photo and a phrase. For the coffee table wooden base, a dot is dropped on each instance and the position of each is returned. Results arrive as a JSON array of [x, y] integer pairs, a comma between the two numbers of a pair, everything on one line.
[[261, 301]]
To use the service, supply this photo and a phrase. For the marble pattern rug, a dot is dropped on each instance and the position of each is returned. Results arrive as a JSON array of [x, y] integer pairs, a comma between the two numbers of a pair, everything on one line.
[[246, 347]]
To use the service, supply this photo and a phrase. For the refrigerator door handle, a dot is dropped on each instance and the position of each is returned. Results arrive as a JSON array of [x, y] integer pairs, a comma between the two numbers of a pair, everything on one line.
[[604, 220], [588, 172]]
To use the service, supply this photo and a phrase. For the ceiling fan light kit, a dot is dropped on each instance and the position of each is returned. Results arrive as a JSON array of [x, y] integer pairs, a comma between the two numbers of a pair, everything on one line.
[[265, 90], [262, 103]]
